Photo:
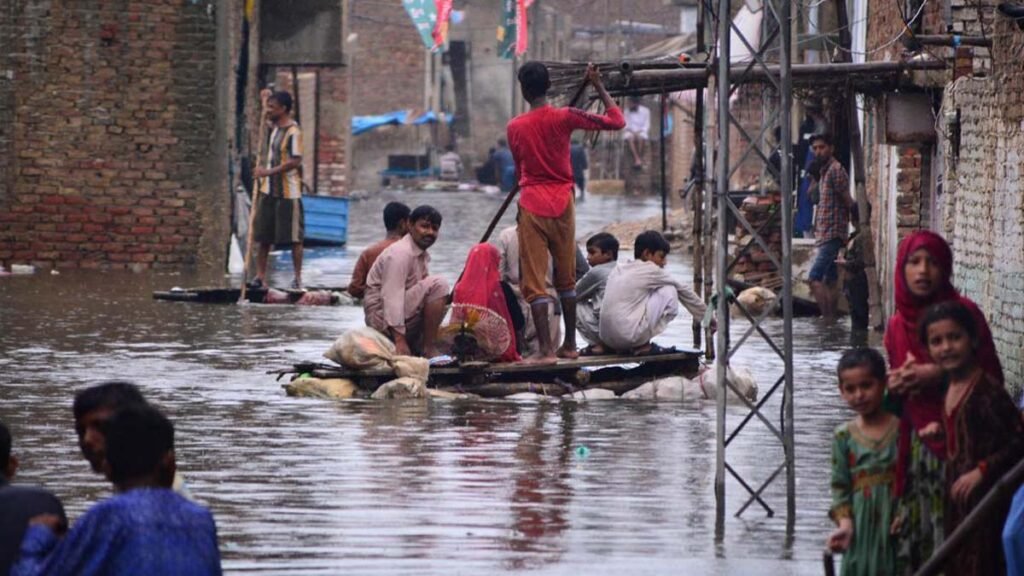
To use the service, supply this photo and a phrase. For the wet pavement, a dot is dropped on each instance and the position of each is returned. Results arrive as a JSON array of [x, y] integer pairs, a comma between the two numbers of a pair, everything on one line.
[[308, 486]]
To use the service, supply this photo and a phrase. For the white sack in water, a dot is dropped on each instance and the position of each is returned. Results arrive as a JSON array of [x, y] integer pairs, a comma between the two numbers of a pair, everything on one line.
[[401, 388], [361, 349], [757, 300], [337, 388], [594, 394]]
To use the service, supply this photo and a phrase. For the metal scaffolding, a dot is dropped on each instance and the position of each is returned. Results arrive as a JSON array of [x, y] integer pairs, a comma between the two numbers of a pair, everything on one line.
[[776, 39]]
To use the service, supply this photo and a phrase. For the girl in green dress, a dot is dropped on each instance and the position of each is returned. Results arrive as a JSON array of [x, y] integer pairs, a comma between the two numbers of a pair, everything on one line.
[[863, 469]]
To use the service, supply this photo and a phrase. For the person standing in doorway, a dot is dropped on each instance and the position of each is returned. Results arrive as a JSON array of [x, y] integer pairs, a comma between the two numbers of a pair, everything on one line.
[[831, 225], [539, 140], [279, 218]]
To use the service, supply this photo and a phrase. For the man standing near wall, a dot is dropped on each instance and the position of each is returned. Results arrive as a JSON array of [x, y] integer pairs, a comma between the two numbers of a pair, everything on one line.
[[539, 140], [831, 224], [279, 218]]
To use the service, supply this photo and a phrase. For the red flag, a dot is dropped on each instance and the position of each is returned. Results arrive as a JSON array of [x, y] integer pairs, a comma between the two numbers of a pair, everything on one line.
[[522, 37], [444, 14]]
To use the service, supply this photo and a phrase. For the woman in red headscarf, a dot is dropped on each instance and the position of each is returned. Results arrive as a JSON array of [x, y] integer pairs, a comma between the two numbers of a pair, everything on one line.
[[480, 308], [924, 269]]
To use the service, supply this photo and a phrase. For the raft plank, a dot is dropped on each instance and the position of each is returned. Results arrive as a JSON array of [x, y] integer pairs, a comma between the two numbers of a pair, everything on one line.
[[229, 295], [612, 372]]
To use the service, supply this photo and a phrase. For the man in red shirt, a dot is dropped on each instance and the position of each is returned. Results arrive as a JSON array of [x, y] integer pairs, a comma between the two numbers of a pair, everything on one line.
[[539, 140]]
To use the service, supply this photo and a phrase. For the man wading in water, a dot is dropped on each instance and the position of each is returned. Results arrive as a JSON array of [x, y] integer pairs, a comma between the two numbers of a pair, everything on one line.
[[539, 140]]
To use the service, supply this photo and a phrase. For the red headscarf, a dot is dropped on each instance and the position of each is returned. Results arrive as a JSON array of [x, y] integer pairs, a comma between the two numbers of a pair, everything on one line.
[[901, 338], [480, 286]]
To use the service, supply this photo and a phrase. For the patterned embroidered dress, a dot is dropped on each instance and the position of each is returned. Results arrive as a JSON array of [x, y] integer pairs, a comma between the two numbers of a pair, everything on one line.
[[985, 428], [863, 471]]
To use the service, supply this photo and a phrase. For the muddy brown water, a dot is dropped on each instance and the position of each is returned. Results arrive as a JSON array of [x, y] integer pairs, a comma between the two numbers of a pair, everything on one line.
[[307, 486]]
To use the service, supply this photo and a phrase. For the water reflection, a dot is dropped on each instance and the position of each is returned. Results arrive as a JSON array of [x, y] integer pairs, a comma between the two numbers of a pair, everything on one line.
[[306, 486]]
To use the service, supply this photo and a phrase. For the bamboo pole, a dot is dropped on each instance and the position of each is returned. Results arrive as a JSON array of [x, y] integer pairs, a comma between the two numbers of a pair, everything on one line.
[[254, 203], [857, 147], [858, 77]]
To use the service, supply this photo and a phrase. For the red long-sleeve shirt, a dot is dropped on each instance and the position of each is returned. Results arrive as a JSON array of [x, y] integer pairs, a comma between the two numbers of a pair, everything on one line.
[[539, 140]]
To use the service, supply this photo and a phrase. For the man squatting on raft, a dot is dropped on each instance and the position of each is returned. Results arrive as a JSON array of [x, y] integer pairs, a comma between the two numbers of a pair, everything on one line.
[[403, 301], [539, 140]]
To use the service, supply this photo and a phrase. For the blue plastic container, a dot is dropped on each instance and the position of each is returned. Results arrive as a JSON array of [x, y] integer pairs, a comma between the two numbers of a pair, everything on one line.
[[326, 220]]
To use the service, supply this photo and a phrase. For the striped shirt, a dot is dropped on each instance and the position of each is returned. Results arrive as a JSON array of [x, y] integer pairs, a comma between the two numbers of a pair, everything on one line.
[[285, 144], [832, 218]]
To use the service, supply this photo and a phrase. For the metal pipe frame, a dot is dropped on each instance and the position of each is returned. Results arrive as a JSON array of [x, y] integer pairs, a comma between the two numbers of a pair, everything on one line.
[[780, 83]]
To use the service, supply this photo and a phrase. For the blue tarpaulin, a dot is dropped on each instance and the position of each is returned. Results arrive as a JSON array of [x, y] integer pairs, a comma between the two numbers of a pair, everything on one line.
[[361, 124]]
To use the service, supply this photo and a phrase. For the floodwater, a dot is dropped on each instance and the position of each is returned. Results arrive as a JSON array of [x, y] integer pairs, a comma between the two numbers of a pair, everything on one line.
[[308, 486]]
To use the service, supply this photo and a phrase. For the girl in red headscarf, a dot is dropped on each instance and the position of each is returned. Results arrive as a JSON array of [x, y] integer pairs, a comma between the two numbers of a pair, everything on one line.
[[480, 306], [924, 268]]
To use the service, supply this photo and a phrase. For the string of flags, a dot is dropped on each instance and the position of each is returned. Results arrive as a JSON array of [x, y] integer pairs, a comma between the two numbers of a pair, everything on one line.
[[432, 19]]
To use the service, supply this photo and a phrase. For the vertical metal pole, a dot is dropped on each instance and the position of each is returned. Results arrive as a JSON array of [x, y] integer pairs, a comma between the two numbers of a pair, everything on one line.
[[722, 191], [786, 164], [661, 152], [697, 177]]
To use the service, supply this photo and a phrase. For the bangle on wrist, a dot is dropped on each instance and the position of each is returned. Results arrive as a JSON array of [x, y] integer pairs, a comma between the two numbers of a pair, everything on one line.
[[983, 467]]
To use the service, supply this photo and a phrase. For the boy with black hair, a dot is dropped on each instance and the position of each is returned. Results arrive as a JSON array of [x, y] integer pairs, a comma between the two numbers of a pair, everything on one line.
[[145, 528], [93, 407], [539, 140], [602, 254], [19, 504], [396, 223], [403, 301], [640, 298]]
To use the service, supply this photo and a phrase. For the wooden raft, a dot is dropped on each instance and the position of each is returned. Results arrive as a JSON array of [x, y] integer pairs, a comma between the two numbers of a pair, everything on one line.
[[230, 295], [619, 374]]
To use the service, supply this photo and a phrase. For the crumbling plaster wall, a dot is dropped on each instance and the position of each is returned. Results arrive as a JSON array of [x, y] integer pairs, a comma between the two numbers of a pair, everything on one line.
[[984, 216]]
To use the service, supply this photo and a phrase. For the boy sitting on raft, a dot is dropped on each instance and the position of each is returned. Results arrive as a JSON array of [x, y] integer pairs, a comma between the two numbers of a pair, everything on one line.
[[641, 298], [602, 256]]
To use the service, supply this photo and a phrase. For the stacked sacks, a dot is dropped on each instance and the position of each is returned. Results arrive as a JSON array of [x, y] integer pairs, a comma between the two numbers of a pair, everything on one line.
[[704, 386], [366, 349]]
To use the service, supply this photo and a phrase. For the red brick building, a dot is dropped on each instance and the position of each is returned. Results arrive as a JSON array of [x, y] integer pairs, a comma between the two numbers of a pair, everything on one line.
[[118, 130]]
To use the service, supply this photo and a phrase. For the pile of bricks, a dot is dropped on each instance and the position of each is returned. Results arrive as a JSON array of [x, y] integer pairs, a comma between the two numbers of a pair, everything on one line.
[[755, 265]]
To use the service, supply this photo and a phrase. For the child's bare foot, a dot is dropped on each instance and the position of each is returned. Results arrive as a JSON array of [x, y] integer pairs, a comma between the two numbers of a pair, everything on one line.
[[569, 353]]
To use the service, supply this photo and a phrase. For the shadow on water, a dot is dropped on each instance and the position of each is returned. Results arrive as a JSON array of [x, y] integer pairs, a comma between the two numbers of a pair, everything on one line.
[[308, 486]]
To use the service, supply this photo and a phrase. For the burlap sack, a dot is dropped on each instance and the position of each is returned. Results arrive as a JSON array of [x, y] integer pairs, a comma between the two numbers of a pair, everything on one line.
[[401, 388], [361, 349], [337, 388]]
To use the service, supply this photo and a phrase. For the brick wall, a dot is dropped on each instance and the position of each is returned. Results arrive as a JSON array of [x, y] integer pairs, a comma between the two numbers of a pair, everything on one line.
[[985, 203], [388, 69], [984, 210], [108, 134]]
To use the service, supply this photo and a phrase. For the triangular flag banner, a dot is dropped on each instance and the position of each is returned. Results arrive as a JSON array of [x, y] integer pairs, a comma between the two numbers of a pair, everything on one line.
[[507, 29], [424, 17], [444, 14]]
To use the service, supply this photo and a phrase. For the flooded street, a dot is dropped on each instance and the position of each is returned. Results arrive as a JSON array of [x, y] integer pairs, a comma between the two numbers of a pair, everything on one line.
[[308, 486]]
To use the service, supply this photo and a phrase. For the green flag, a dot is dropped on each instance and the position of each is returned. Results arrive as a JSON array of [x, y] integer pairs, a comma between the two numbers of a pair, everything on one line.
[[507, 30], [424, 16]]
